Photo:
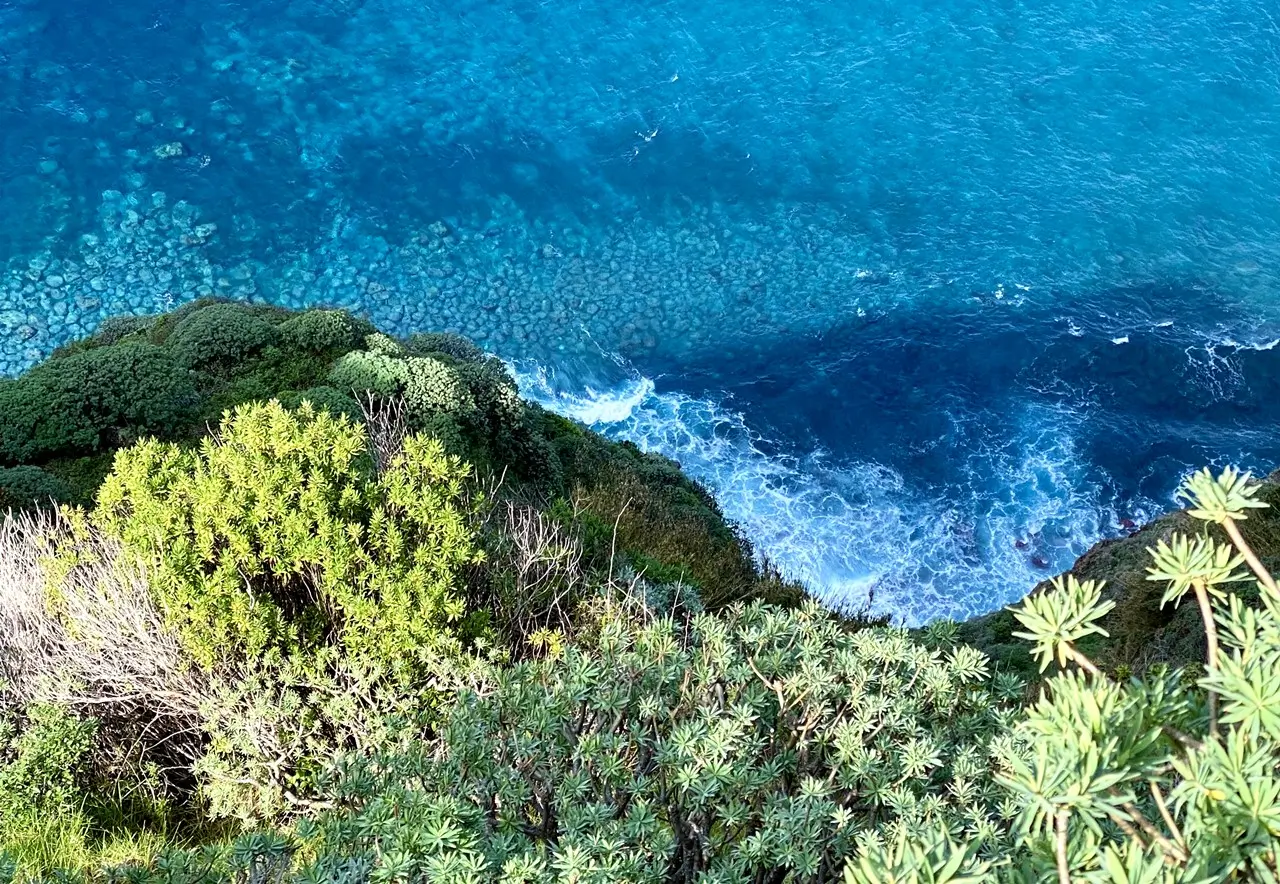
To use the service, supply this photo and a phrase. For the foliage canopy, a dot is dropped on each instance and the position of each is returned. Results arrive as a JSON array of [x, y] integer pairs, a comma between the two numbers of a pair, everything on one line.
[[276, 536]]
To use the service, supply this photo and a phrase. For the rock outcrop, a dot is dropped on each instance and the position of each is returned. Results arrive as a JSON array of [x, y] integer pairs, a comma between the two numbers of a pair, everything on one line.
[[1142, 633]]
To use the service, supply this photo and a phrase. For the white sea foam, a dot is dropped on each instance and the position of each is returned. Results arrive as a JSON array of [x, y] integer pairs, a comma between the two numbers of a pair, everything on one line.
[[857, 532]]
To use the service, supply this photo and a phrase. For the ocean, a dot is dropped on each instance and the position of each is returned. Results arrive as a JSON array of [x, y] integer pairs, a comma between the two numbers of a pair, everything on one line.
[[932, 294]]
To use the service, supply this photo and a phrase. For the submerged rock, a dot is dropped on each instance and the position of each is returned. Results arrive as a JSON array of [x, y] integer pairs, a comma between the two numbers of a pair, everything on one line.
[[172, 150]]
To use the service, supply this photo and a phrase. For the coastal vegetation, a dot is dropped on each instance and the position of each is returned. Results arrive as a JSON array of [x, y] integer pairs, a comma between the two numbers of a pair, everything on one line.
[[283, 598]]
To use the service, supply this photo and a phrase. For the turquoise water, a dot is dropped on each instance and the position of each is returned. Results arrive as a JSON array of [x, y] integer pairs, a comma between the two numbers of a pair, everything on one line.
[[932, 294]]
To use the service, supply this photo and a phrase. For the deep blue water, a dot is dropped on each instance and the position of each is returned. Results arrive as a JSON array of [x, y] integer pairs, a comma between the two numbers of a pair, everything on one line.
[[933, 293]]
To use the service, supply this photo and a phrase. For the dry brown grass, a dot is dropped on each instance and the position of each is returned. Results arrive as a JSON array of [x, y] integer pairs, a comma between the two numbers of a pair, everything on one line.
[[78, 628]]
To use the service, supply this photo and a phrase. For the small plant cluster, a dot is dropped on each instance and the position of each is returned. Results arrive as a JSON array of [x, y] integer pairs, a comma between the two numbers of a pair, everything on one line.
[[1171, 777]]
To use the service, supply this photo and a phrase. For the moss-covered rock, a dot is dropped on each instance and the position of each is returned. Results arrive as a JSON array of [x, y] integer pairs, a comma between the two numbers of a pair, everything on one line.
[[642, 507]]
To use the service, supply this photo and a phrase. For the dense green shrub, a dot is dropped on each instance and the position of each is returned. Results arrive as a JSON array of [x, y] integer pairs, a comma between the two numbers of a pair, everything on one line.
[[365, 372], [323, 331], [23, 487], [167, 322], [276, 536], [323, 399], [117, 328], [758, 745], [427, 385], [442, 343], [96, 399], [220, 337], [274, 730], [471, 405]]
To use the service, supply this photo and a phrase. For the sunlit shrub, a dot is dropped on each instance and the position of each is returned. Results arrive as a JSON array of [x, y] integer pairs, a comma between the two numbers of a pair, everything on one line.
[[276, 536], [39, 765]]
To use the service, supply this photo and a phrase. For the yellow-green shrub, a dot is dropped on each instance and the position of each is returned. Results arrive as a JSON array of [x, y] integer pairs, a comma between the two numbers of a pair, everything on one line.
[[276, 536]]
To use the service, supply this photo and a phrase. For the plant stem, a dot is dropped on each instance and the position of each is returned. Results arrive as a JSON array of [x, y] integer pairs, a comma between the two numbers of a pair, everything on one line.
[[1186, 740], [1060, 825], [1083, 662], [1168, 818], [1172, 851], [1263, 575], [1211, 635]]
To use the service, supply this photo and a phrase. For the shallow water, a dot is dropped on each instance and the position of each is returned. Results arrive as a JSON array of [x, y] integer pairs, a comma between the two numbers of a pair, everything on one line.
[[933, 293]]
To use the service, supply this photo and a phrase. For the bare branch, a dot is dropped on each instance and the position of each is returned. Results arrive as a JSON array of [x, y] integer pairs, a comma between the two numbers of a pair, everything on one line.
[[544, 560], [90, 636], [387, 425]]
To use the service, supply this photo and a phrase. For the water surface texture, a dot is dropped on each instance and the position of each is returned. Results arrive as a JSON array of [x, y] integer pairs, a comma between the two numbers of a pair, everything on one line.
[[932, 293]]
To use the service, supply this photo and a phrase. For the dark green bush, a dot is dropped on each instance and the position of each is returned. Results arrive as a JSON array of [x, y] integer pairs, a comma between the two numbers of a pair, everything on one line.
[[83, 475], [167, 322], [454, 346], [24, 487], [323, 399], [323, 331], [220, 337], [117, 328], [96, 399]]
